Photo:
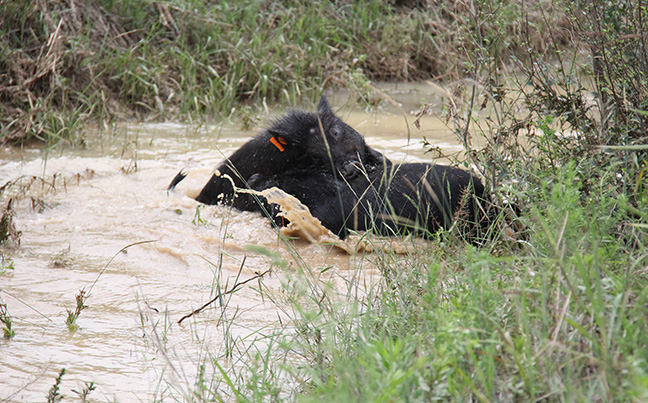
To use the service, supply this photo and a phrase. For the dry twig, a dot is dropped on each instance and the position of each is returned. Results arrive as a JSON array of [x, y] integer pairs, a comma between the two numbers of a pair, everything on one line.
[[221, 294]]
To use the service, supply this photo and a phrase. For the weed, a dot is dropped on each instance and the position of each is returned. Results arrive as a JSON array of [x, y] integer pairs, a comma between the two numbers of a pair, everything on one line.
[[87, 388], [6, 321], [221, 295], [72, 316], [198, 220], [54, 396], [6, 263], [62, 259], [249, 119], [130, 149]]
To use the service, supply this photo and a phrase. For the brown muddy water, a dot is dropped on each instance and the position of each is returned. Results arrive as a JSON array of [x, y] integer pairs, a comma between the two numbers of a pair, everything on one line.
[[78, 209]]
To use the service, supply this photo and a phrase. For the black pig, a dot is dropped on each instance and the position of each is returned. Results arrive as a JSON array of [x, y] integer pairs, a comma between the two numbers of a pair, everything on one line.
[[297, 141]]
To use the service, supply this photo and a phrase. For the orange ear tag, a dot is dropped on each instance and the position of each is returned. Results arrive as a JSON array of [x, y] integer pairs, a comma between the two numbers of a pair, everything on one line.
[[279, 142]]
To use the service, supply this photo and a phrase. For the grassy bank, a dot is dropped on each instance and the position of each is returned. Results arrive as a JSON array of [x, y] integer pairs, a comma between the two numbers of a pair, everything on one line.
[[64, 63]]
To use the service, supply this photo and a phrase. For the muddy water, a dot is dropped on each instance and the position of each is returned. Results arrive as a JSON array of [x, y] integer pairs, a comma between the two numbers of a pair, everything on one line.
[[100, 219]]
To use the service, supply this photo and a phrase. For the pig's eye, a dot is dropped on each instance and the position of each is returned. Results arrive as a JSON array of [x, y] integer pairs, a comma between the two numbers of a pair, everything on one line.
[[335, 132]]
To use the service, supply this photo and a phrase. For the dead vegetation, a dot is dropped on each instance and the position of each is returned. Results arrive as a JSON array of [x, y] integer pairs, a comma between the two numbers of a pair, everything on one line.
[[45, 84], [9, 235]]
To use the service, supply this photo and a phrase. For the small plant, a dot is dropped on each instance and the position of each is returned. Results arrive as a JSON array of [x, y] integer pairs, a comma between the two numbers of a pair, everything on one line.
[[6, 321], [74, 315], [198, 220], [54, 396], [83, 395], [6, 263], [130, 150]]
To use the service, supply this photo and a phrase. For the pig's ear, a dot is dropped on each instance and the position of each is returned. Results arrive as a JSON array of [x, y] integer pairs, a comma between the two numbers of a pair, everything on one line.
[[324, 108]]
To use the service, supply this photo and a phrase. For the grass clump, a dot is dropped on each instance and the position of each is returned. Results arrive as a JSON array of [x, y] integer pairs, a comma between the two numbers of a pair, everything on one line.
[[87, 389], [72, 316], [560, 319]]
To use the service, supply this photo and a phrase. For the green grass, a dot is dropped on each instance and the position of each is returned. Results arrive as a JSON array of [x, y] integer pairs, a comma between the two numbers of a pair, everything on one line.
[[564, 318], [53, 396], [185, 60]]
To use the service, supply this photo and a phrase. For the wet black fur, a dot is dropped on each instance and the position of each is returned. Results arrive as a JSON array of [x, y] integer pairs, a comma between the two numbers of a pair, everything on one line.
[[384, 197], [346, 184]]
